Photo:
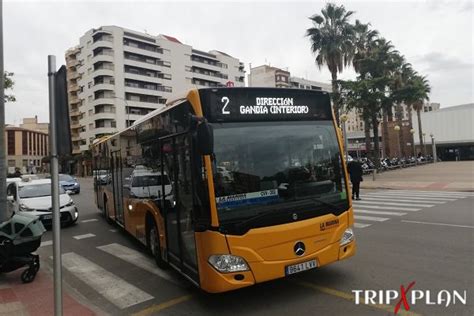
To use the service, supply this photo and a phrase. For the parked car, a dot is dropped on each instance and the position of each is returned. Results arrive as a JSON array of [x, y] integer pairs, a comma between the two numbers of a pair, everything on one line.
[[34, 197], [69, 183]]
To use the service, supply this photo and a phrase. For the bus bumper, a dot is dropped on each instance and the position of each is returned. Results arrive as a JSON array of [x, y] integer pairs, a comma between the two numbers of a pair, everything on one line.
[[263, 271]]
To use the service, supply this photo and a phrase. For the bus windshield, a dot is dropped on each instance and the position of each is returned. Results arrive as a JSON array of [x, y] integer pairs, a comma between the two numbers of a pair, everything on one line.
[[267, 167]]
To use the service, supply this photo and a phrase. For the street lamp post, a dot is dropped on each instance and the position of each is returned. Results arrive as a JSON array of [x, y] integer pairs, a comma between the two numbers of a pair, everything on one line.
[[412, 131], [433, 144], [344, 118], [397, 129], [424, 144], [357, 149]]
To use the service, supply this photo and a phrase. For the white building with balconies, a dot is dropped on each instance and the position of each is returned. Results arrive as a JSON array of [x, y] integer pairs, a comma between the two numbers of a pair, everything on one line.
[[116, 76]]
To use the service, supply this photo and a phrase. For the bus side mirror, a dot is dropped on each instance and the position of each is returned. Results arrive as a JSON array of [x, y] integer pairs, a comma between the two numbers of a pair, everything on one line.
[[205, 138]]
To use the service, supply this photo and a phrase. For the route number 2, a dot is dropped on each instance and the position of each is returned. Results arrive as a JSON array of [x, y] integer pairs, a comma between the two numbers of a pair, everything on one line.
[[225, 101]]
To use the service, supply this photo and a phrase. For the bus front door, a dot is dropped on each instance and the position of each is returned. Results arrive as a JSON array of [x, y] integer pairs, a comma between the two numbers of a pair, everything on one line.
[[178, 202], [117, 186]]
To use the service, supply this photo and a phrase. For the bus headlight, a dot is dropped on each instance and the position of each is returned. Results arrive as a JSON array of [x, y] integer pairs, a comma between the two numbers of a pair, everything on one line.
[[347, 237], [228, 263]]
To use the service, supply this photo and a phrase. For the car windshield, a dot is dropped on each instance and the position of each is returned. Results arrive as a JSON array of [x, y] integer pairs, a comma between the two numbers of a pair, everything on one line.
[[263, 166], [149, 180], [65, 177], [37, 190]]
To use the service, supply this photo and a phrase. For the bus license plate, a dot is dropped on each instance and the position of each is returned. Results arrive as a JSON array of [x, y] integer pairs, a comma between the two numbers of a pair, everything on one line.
[[300, 267], [47, 216]]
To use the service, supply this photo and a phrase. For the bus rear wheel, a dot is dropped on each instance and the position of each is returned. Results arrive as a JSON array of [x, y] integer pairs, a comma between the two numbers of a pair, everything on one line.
[[154, 246], [106, 212]]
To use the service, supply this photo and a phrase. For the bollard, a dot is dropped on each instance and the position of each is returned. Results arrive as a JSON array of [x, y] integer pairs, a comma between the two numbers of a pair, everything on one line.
[[373, 174]]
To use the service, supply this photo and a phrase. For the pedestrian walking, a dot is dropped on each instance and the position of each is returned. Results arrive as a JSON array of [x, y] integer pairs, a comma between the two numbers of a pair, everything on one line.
[[355, 171]]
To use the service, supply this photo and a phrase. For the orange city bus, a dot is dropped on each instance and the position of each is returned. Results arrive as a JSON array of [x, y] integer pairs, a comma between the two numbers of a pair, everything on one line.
[[231, 186]]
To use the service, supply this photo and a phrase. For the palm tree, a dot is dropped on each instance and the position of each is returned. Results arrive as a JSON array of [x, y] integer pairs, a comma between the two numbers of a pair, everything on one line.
[[332, 41], [423, 89]]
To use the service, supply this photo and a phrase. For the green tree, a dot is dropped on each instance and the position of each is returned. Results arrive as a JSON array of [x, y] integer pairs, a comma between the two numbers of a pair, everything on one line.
[[9, 83], [332, 41]]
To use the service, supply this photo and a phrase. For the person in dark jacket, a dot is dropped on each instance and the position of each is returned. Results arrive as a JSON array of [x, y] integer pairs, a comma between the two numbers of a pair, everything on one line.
[[355, 171]]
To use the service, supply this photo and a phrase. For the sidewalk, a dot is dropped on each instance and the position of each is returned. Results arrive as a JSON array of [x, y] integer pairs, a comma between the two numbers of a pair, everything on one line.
[[446, 176], [35, 298]]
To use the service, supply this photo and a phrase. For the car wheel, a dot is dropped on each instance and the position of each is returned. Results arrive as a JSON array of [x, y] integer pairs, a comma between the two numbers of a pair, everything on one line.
[[154, 246]]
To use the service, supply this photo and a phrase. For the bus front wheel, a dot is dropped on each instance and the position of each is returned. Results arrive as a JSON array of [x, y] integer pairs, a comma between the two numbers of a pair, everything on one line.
[[154, 245]]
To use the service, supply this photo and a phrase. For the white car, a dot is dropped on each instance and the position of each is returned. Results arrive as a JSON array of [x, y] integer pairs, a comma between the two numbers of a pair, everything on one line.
[[145, 183], [34, 197]]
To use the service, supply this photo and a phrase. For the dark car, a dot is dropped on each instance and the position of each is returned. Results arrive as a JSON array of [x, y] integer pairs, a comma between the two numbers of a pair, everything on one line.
[[69, 183]]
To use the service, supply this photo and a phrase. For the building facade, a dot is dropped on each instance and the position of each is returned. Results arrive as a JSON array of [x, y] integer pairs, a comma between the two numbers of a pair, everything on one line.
[[268, 76], [25, 149], [32, 123], [450, 129], [116, 76]]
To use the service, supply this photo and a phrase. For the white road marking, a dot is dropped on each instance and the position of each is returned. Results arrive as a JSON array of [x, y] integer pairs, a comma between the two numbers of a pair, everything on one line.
[[411, 200], [379, 213], [46, 243], [442, 192], [360, 225], [90, 220], [371, 218], [113, 230], [435, 195], [136, 258], [438, 224], [390, 203], [79, 237], [116, 290], [392, 196], [408, 209]]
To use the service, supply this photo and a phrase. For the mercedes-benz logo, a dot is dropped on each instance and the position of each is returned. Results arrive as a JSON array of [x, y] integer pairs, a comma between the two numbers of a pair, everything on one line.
[[299, 248], [295, 216]]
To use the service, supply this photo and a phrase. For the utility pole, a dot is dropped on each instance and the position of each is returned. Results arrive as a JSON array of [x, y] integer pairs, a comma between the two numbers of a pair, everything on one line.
[[58, 299], [3, 154]]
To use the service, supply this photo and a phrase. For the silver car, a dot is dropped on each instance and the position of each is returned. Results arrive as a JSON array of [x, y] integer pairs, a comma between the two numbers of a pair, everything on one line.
[[34, 197]]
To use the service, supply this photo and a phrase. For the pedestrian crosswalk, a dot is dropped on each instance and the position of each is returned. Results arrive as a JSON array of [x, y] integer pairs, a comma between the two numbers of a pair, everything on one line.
[[376, 207], [380, 206]]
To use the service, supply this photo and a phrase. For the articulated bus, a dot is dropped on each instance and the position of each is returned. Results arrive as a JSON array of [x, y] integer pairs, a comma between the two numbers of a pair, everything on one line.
[[231, 186]]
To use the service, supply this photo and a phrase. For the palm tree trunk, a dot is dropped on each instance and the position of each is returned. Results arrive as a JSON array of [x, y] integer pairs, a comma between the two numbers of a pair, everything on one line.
[[420, 131], [335, 98], [385, 137], [375, 129], [399, 116], [368, 146], [410, 122]]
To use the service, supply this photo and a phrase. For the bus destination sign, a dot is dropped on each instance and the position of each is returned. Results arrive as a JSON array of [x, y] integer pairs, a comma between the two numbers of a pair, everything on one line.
[[258, 104]]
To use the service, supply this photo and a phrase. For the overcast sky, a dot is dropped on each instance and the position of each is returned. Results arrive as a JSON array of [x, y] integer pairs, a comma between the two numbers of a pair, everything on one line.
[[435, 36]]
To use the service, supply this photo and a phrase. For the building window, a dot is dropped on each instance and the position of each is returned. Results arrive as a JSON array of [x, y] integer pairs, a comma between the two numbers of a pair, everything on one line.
[[11, 163], [11, 142]]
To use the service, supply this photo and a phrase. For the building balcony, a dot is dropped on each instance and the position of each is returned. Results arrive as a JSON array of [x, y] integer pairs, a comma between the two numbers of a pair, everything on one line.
[[73, 87], [206, 66], [71, 75], [74, 100], [142, 51], [102, 43], [103, 101], [72, 62], [103, 72], [218, 80], [146, 78], [75, 124], [157, 93], [142, 64], [74, 113], [104, 116], [148, 105], [103, 86], [76, 138], [102, 57], [105, 130]]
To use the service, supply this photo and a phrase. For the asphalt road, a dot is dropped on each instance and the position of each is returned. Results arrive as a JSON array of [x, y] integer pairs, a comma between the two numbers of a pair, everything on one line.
[[402, 237]]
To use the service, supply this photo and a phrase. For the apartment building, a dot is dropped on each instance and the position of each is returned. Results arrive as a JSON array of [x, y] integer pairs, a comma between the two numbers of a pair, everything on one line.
[[269, 76], [25, 148], [116, 76], [32, 123]]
